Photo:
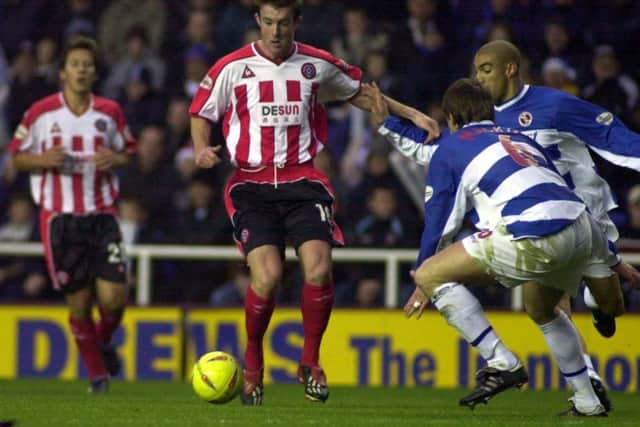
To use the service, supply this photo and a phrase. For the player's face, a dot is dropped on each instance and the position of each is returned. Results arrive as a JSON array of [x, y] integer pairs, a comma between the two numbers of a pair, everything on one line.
[[79, 71], [492, 74], [277, 29]]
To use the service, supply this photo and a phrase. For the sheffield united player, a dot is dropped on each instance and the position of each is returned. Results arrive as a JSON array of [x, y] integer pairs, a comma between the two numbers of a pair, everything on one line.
[[269, 96], [70, 142]]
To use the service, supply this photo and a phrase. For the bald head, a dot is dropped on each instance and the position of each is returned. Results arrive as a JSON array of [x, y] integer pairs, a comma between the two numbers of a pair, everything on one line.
[[502, 50], [497, 68]]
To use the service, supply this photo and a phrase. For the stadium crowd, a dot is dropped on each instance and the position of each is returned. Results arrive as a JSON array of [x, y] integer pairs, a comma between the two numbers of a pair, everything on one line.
[[156, 52]]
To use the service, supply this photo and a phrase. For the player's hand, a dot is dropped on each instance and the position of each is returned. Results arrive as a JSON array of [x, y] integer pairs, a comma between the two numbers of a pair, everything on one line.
[[628, 273], [105, 159], [208, 157], [54, 157], [379, 107], [416, 304], [427, 123]]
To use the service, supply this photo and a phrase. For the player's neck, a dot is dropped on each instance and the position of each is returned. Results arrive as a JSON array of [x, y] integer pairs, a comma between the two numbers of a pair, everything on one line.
[[515, 86], [77, 102], [260, 46]]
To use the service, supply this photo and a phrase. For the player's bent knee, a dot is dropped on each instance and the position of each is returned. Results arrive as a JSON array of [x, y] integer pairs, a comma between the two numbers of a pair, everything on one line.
[[319, 275]]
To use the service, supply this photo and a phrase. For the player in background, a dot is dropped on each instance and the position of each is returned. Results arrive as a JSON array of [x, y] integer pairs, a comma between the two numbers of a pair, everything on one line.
[[536, 233], [71, 142], [269, 97]]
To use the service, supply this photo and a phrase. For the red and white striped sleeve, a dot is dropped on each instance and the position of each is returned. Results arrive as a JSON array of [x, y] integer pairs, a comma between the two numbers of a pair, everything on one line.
[[340, 81], [214, 93], [23, 138], [123, 138]]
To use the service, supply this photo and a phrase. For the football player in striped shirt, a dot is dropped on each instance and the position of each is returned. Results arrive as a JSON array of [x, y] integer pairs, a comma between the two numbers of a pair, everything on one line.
[[71, 142], [536, 233], [269, 97]]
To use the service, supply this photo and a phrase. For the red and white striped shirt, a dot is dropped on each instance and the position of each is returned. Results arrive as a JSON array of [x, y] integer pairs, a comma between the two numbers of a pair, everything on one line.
[[272, 113], [77, 187]]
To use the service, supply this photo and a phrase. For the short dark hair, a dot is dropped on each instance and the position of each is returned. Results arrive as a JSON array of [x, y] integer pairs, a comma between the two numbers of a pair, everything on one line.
[[80, 42], [467, 101], [295, 4]]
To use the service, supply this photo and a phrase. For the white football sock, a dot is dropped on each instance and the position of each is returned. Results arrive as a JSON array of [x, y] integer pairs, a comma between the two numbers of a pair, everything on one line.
[[589, 300], [564, 342], [463, 311], [590, 369]]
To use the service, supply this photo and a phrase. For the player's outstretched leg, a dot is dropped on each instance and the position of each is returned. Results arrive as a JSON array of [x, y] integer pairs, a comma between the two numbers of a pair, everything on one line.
[[463, 311], [258, 313]]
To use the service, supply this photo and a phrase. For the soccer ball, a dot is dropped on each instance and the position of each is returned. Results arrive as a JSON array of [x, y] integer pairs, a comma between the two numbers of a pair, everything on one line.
[[217, 377]]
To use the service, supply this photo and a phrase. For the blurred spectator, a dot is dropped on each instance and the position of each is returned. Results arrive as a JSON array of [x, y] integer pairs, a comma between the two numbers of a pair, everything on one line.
[[632, 229], [121, 15], [46, 57], [369, 292], [381, 227], [358, 38], [69, 18], [138, 54], [558, 43], [203, 223], [21, 277], [4, 95], [235, 20], [149, 180], [197, 60], [20, 21], [376, 69], [613, 90], [322, 21], [232, 292], [140, 103], [26, 86], [177, 120], [557, 74]]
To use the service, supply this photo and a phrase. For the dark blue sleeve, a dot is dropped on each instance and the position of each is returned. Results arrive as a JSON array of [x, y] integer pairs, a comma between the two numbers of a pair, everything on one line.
[[406, 129], [441, 213], [600, 130]]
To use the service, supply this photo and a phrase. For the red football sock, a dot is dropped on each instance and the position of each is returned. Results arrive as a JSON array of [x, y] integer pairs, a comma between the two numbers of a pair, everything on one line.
[[84, 332], [109, 322], [257, 312], [316, 309]]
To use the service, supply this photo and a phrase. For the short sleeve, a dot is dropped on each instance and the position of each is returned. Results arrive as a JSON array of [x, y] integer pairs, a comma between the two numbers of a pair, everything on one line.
[[23, 138], [213, 96], [341, 81]]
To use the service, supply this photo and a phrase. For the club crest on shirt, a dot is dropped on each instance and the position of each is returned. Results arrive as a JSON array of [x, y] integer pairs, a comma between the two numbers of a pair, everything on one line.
[[101, 125], [308, 70], [525, 119], [605, 118], [206, 83]]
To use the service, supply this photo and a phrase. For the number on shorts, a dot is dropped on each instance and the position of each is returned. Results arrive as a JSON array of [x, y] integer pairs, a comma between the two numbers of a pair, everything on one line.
[[325, 213], [115, 253]]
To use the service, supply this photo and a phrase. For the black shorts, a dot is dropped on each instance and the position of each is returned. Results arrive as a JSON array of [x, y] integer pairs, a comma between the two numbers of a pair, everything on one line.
[[292, 213], [79, 249]]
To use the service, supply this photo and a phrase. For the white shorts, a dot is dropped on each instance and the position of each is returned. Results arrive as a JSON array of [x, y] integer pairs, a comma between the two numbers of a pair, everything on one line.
[[558, 261], [602, 269]]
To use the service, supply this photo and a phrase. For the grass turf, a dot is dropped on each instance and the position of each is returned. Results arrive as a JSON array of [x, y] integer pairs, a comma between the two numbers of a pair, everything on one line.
[[59, 403]]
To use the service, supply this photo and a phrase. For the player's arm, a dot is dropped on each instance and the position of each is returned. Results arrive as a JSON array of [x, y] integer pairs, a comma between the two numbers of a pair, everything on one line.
[[605, 133], [409, 140], [23, 148], [365, 99], [122, 145], [205, 155], [208, 105]]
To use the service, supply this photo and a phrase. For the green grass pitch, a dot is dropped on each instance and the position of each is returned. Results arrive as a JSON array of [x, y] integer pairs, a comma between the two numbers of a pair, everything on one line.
[[59, 403]]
